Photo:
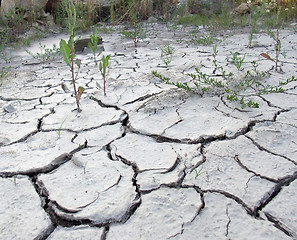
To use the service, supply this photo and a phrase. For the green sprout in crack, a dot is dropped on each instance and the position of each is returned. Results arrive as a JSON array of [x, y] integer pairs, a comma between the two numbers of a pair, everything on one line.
[[198, 172], [60, 128], [14, 179]]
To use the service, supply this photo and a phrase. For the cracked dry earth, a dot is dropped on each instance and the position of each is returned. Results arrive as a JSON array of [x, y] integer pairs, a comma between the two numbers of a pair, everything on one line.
[[148, 161]]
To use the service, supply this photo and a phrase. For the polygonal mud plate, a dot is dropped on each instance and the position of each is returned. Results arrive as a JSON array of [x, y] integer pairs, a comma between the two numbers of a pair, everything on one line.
[[161, 109], [36, 152], [125, 91], [77, 232], [91, 186], [200, 120], [146, 152], [254, 159], [221, 172], [92, 116], [22, 216], [188, 157], [289, 118], [100, 136], [283, 207], [281, 100], [278, 138], [223, 218], [22, 121], [161, 215]]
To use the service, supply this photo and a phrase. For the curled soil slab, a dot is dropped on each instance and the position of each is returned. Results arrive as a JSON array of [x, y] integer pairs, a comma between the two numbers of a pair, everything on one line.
[[94, 188]]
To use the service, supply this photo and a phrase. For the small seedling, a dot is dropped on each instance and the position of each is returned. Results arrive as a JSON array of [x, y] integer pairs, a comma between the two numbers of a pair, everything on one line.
[[68, 51], [276, 38], [166, 54], [198, 173], [85, 166], [202, 40], [255, 14], [60, 128], [136, 33], [14, 180], [103, 65], [214, 55], [237, 61], [4, 71], [93, 45]]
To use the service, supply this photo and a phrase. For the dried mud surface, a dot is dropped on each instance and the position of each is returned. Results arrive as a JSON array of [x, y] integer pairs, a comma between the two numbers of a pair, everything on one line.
[[149, 160]]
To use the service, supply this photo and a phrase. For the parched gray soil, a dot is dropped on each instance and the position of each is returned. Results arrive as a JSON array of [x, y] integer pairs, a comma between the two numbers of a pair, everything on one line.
[[150, 160]]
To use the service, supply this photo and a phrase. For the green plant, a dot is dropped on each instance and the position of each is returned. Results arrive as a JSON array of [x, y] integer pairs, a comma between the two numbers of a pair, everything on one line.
[[132, 13], [214, 55], [60, 14], [136, 33], [166, 54], [14, 179], [204, 40], [4, 71], [103, 65], [93, 45], [45, 54], [15, 21], [198, 173], [87, 13], [105, 29], [275, 37], [236, 60], [292, 79], [68, 51], [201, 83], [60, 128], [255, 13]]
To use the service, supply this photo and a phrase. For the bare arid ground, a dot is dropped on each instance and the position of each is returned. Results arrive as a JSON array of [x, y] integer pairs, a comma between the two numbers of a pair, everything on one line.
[[150, 160]]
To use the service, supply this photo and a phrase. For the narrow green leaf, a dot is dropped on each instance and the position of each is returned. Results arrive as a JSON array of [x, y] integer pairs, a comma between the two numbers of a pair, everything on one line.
[[66, 52]]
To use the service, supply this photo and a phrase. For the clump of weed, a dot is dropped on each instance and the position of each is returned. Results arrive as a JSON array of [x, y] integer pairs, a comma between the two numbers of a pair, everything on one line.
[[166, 54], [45, 54], [204, 40], [236, 60], [225, 84]]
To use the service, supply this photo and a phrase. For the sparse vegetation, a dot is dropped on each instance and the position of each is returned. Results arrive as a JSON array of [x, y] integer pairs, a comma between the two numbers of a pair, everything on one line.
[[45, 54]]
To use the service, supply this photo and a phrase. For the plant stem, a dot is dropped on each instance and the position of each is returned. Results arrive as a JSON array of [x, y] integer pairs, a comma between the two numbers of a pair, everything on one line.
[[135, 35], [104, 85], [73, 79]]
